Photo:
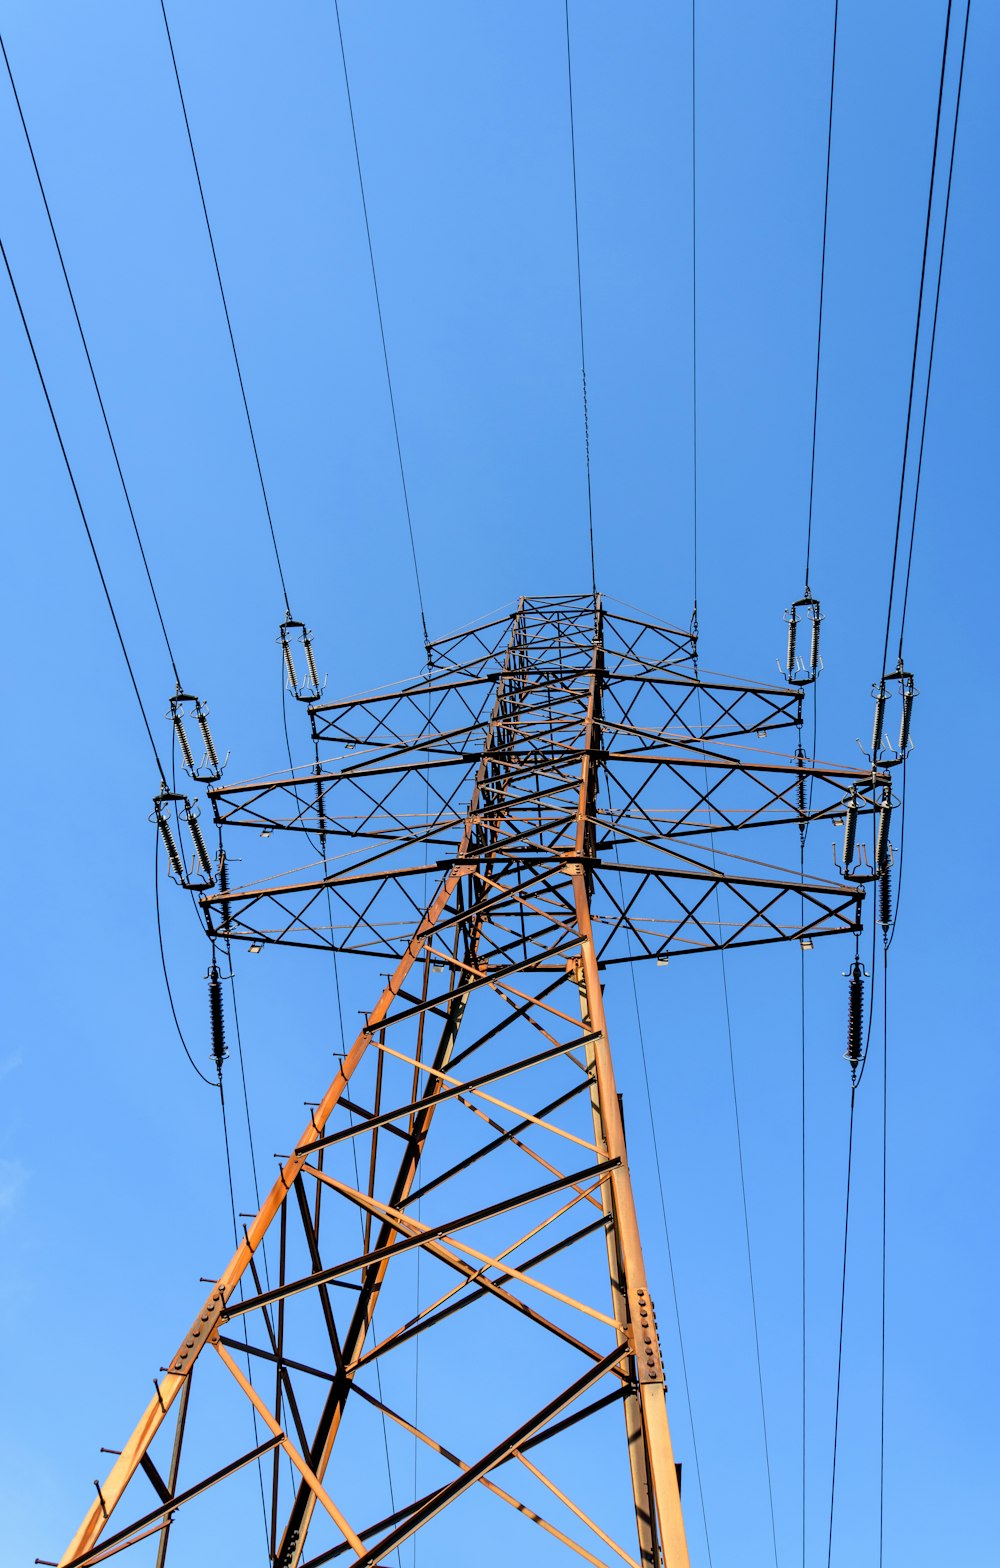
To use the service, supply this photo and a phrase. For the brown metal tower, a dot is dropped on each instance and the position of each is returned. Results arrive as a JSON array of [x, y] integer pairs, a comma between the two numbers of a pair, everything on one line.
[[546, 802]]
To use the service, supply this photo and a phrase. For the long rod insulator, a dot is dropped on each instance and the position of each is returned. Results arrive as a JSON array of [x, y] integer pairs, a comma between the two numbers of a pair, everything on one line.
[[170, 845], [879, 724], [310, 659], [855, 1015], [814, 641], [286, 649], [224, 911], [885, 898], [882, 831], [201, 714], [904, 718], [793, 632], [198, 840], [321, 811], [216, 1017], [182, 740], [800, 784], [850, 829]]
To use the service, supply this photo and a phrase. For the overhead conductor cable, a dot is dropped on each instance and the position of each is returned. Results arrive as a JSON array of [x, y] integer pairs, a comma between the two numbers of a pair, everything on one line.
[[182, 740], [381, 329], [579, 295]]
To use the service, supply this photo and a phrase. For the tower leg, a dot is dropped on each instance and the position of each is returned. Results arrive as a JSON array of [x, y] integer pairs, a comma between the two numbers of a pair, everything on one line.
[[650, 1448]]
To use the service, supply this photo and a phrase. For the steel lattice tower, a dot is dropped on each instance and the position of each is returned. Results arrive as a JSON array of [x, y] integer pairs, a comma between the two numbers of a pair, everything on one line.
[[548, 800]]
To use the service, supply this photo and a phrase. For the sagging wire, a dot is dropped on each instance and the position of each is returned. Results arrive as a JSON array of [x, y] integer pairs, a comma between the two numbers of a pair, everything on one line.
[[900, 675], [83, 517], [90, 363], [840, 1342], [239, 1289], [694, 332], [904, 729], [225, 307], [805, 810], [311, 688], [856, 1056], [163, 962], [934, 322], [916, 333], [210, 769], [822, 293], [179, 803], [579, 296], [743, 1189], [797, 672], [381, 328]]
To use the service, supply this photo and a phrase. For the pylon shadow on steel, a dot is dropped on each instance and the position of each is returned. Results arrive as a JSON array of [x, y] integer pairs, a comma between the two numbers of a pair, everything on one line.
[[554, 796]]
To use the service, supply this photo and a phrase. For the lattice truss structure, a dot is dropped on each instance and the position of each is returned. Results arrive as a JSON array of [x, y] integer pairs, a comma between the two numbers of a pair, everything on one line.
[[556, 795]]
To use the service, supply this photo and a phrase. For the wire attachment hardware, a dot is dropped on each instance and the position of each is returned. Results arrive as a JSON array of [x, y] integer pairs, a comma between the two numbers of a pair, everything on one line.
[[209, 770], [312, 688], [201, 875], [796, 671]]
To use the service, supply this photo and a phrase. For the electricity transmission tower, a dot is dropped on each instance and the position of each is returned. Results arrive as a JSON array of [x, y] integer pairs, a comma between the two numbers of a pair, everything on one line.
[[554, 797]]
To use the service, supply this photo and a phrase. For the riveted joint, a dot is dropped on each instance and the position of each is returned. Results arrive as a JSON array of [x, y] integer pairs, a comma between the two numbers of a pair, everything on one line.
[[649, 1364]]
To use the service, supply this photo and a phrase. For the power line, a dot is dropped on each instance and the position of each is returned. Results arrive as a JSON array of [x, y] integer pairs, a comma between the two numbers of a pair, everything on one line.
[[934, 322], [90, 363], [885, 1157], [225, 307], [743, 1185], [822, 285], [163, 963], [381, 324], [694, 318], [840, 1342], [746, 1227], [803, 835], [916, 336], [579, 296], [83, 514]]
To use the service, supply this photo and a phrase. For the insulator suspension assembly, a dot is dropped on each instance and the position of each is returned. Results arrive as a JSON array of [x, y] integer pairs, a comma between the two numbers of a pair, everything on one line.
[[209, 769], [310, 689], [216, 1018], [855, 1015], [854, 862], [193, 871], [882, 750], [796, 671]]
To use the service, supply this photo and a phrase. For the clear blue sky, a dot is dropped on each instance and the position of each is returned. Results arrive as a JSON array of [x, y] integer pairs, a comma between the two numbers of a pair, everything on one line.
[[112, 1198]]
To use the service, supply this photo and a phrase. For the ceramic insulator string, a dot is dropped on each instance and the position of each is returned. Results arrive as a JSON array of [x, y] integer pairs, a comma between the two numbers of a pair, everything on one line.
[[855, 1015], [170, 845], [198, 840], [201, 714], [850, 830], [216, 1018]]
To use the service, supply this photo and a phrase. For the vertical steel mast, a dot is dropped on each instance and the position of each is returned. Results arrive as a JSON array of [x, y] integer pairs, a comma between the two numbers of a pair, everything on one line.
[[549, 800]]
